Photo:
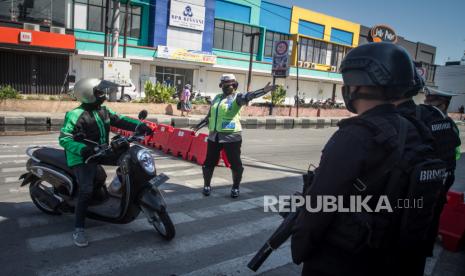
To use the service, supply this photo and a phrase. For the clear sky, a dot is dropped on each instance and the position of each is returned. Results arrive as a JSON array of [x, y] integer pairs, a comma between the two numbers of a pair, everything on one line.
[[440, 23]]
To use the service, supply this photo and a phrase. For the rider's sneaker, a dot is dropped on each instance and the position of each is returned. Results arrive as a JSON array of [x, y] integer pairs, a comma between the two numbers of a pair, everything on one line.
[[79, 238], [206, 190], [234, 193]]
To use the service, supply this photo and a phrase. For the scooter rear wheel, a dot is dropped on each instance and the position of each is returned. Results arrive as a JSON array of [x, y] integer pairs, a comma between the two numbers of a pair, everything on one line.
[[161, 221], [40, 205]]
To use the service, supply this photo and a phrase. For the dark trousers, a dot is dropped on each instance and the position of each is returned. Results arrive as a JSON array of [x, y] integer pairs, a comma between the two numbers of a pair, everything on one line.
[[90, 177], [233, 152]]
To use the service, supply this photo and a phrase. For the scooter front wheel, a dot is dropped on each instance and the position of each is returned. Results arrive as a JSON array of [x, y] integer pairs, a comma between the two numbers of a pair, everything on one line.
[[161, 221]]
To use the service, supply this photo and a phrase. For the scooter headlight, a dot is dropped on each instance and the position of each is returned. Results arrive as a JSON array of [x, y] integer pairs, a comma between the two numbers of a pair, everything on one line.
[[146, 161]]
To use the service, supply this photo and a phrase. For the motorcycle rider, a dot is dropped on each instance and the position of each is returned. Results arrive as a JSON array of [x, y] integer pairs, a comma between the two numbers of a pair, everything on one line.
[[335, 243], [91, 121], [225, 128]]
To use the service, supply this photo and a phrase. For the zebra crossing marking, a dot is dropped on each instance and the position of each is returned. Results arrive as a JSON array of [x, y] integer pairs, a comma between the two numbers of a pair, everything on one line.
[[141, 255], [53, 241], [238, 266]]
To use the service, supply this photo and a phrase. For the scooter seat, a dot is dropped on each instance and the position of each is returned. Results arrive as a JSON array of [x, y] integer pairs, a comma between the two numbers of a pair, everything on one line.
[[52, 156]]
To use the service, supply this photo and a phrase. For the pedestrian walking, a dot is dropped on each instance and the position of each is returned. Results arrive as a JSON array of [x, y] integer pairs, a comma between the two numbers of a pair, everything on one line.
[[185, 100]]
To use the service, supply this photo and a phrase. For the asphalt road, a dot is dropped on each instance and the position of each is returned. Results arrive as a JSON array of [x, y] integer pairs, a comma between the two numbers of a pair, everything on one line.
[[215, 235]]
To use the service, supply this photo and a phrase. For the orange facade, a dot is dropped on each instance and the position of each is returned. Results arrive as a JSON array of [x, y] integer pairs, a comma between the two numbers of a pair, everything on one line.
[[37, 39]]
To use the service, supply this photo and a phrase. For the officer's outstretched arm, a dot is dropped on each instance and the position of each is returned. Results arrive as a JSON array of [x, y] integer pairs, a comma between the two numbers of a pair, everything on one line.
[[247, 97]]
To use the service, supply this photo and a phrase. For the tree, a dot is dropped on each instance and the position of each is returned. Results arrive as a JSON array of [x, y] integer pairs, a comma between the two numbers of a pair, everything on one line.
[[277, 97]]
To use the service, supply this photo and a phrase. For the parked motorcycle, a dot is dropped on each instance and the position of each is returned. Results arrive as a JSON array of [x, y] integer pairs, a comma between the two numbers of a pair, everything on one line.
[[53, 188]]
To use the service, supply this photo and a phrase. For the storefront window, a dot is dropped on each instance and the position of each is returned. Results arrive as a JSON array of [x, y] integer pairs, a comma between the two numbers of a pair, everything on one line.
[[270, 40], [317, 51], [43, 12], [176, 77], [90, 15], [231, 36]]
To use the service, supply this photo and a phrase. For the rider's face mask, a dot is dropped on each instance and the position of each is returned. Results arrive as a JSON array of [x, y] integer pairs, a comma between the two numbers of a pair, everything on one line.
[[100, 96]]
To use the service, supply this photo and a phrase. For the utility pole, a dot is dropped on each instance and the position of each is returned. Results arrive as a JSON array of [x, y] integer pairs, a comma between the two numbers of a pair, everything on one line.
[[125, 45], [252, 43], [107, 11], [297, 84], [126, 28], [115, 26]]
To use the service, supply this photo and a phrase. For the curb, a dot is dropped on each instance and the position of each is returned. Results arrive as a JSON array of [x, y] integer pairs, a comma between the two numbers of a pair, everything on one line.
[[39, 122]]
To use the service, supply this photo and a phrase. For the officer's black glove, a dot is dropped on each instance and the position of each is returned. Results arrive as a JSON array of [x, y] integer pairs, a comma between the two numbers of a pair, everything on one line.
[[260, 92], [200, 125], [144, 129], [87, 152]]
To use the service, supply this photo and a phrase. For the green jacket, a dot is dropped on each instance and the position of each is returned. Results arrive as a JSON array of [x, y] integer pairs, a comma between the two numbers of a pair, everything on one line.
[[94, 124]]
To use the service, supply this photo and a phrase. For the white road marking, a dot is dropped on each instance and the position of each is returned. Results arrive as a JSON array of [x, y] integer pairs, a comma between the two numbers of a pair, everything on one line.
[[13, 156], [170, 199], [238, 266], [16, 169], [109, 231], [188, 172], [146, 254], [18, 161]]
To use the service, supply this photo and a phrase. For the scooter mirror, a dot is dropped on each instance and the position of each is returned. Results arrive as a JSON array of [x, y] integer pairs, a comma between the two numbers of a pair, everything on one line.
[[143, 114]]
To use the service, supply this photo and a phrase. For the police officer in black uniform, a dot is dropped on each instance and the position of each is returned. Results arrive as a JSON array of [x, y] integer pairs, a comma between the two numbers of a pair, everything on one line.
[[446, 144], [336, 243]]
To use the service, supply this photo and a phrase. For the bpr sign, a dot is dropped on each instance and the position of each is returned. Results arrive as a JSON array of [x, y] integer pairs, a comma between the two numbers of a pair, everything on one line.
[[281, 53], [186, 15]]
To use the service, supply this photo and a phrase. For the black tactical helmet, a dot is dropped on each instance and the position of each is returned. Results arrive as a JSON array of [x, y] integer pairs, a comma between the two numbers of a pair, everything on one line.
[[417, 87], [381, 64]]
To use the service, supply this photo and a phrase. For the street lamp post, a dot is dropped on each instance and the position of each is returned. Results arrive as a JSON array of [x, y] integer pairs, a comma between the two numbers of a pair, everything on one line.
[[252, 42]]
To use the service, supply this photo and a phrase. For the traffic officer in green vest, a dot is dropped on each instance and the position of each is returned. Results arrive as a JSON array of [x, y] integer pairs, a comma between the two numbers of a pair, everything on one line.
[[225, 129]]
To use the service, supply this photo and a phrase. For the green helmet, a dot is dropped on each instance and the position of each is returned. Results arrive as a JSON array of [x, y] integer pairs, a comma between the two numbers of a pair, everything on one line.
[[92, 90]]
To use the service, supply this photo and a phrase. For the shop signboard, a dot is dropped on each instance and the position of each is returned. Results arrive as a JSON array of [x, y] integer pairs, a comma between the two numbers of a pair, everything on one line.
[[382, 33], [281, 56], [187, 15], [185, 55]]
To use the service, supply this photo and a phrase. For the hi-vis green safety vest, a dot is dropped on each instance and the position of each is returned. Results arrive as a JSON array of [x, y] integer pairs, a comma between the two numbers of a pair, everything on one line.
[[225, 114]]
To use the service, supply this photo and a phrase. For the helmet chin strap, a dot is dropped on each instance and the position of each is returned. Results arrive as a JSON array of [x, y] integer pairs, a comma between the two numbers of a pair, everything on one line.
[[349, 97]]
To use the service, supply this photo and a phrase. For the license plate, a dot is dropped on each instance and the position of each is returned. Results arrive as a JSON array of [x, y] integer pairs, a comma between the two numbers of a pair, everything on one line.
[[158, 180]]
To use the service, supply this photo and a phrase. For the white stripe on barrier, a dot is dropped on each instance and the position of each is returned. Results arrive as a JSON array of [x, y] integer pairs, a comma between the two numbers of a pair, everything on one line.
[[152, 253]]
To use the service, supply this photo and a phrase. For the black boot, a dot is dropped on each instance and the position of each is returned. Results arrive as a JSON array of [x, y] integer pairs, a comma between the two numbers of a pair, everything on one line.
[[207, 177], [237, 177]]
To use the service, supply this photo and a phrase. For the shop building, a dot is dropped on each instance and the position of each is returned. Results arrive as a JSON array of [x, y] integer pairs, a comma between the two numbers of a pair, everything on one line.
[[36, 42], [180, 42]]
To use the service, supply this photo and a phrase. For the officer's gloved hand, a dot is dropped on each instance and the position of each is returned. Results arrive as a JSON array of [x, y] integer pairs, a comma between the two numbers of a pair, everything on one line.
[[87, 152], [144, 129]]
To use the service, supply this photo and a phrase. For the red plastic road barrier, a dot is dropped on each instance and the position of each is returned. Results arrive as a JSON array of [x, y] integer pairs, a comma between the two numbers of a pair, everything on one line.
[[148, 140], [225, 159], [161, 136], [452, 222], [198, 151], [180, 142]]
